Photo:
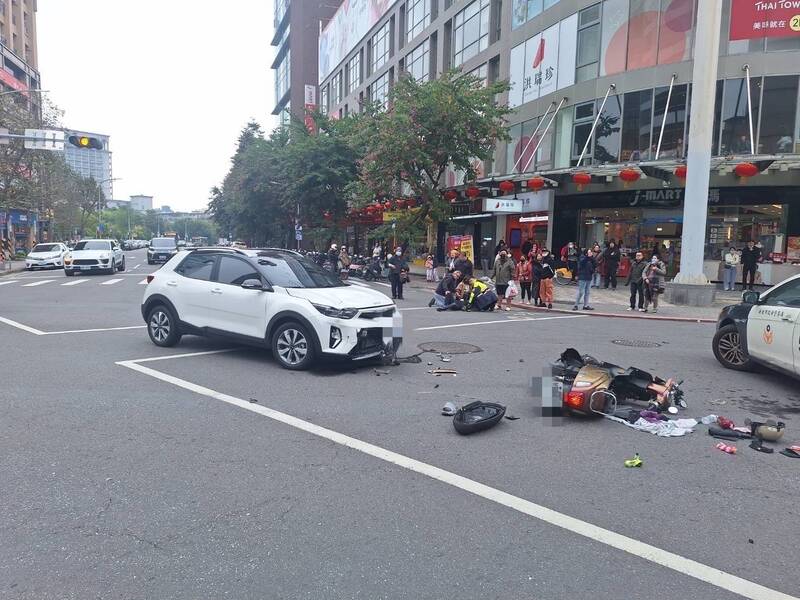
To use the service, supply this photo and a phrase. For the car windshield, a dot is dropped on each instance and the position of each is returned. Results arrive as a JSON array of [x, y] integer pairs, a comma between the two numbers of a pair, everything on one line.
[[162, 243], [290, 271], [93, 245], [45, 248]]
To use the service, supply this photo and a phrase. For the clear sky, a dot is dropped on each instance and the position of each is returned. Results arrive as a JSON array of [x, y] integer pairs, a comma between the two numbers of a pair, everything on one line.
[[171, 81]]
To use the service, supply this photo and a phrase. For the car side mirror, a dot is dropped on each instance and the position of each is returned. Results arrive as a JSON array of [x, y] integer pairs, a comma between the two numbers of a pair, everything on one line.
[[751, 297], [256, 284]]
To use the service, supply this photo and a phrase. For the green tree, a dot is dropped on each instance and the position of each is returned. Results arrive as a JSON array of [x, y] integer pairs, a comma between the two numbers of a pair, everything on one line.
[[450, 121]]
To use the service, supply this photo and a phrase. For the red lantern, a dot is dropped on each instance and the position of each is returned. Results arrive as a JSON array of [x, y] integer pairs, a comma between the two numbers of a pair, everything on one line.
[[507, 186], [473, 192], [745, 170], [327, 215], [629, 176], [535, 183], [450, 195], [410, 203], [581, 179], [400, 203], [680, 171], [387, 205]]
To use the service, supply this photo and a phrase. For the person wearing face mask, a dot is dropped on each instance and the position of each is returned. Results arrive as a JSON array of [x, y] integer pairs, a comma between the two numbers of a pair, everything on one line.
[[653, 282], [750, 259], [398, 271], [546, 283], [524, 275], [570, 255], [502, 275], [636, 281]]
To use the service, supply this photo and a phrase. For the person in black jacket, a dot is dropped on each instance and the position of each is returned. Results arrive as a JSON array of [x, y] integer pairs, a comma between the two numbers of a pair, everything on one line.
[[445, 291], [398, 271], [611, 258], [546, 283], [463, 265], [636, 281], [750, 259]]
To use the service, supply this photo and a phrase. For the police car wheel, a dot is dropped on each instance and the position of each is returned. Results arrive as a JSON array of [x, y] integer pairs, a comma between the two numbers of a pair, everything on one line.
[[728, 349]]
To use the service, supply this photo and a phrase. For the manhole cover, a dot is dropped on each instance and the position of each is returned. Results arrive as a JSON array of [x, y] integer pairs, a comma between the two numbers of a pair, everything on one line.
[[636, 343], [449, 347]]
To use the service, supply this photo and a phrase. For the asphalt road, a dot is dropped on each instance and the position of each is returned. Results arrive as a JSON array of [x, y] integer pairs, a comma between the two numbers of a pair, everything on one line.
[[188, 478]]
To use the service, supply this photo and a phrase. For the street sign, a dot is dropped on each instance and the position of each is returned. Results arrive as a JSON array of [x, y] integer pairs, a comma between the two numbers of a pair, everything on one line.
[[298, 235], [44, 139], [298, 228], [4, 136]]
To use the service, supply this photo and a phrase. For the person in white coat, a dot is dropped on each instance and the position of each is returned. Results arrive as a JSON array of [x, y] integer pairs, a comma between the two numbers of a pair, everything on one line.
[[731, 261]]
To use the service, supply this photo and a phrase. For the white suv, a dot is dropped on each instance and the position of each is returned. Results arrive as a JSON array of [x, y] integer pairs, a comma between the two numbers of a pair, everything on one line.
[[94, 255], [273, 298]]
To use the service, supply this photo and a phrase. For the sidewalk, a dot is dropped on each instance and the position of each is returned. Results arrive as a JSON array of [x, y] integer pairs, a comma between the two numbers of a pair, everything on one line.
[[13, 266], [615, 303]]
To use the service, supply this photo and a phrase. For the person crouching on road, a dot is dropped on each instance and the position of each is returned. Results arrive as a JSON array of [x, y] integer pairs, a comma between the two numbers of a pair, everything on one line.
[[503, 274], [586, 270], [480, 296], [653, 283], [445, 291], [523, 274]]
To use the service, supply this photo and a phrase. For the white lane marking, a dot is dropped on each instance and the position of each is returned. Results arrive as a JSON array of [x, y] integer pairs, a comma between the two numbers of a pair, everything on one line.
[[383, 284], [21, 326], [38, 283], [7, 282], [414, 308], [186, 355], [111, 282], [76, 282], [496, 321], [358, 283], [94, 330], [670, 560], [137, 266], [143, 282]]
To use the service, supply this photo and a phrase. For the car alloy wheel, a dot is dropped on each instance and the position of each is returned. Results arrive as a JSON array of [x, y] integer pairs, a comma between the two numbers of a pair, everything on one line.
[[292, 346], [160, 326], [730, 348]]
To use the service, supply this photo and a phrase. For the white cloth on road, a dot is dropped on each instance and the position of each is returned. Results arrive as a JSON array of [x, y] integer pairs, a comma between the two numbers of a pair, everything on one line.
[[661, 428]]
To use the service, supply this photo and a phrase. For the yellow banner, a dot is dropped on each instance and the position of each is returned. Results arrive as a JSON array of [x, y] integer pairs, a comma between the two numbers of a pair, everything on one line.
[[399, 215]]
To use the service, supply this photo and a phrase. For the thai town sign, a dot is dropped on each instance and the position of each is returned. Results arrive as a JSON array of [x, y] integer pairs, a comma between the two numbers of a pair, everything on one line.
[[764, 18]]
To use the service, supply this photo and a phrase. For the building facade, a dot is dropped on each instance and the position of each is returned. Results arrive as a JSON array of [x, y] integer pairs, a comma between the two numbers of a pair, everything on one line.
[[297, 25], [141, 203], [18, 52], [603, 83], [91, 162]]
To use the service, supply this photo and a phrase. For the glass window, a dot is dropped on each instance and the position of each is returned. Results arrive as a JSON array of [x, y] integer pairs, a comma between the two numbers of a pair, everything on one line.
[[735, 122], [418, 61], [235, 271], [513, 147], [588, 54], [776, 133], [198, 266], [292, 271], [584, 117], [672, 145], [93, 245], [354, 73], [470, 31], [380, 89], [418, 17], [637, 116], [381, 45], [519, 13], [563, 125], [783, 43], [643, 26], [336, 89], [481, 73], [324, 100], [608, 132], [534, 8], [717, 118], [282, 76], [786, 295], [736, 225]]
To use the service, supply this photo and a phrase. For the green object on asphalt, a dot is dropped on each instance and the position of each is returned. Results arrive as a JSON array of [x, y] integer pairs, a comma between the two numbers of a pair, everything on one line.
[[636, 461]]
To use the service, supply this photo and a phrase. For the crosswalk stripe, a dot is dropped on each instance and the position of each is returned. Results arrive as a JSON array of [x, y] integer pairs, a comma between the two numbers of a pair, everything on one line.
[[6, 282], [358, 283], [76, 282], [111, 282], [143, 282], [34, 284]]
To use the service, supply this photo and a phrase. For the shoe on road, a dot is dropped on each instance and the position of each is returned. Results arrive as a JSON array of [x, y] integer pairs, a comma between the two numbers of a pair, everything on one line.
[[432, 302], [575, 307], [587, 308], [630, 308]]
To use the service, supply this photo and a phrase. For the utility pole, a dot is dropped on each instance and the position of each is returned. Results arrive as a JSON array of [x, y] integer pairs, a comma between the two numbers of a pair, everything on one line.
[[691, 284]]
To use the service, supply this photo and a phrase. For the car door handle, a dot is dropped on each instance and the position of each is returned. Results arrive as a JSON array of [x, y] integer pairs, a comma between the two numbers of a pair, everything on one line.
[[172, 283], [216, 291], [789, 319]]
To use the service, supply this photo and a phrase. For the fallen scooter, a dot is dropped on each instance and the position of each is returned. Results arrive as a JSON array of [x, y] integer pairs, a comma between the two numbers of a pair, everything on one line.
[[588, 386]]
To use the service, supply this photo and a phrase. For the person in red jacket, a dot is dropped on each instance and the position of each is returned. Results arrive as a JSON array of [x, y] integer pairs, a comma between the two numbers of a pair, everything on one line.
[[524, 276]]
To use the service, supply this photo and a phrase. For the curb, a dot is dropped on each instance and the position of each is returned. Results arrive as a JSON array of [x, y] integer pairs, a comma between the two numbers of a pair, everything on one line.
[[11, 271], [614, 315]]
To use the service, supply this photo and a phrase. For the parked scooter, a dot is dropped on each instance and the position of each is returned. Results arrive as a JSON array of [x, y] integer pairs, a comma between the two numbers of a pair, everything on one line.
[[377, 270], [588, 386]]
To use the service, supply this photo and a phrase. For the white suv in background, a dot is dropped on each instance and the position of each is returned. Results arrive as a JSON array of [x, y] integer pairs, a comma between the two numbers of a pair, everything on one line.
[[273, 298], [89, 256]]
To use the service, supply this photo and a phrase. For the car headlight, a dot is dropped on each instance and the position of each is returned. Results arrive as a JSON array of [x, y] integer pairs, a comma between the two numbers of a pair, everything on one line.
[[105, 256], [336, 313], [67, 258]]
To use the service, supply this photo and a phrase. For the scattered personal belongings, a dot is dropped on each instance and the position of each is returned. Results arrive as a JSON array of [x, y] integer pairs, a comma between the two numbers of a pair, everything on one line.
[[477, 416], [676, 428], [438, 372], [449, 409], [791, 451], [445, 358], [512, 417], [378, 372], [727, 434], [725, 423], [769, 430], [252, 400], [719, 402], [636, 461], [760, 447], [726, 448]]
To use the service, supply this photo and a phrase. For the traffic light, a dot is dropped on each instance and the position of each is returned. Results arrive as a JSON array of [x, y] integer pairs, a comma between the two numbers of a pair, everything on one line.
[[82, 141]]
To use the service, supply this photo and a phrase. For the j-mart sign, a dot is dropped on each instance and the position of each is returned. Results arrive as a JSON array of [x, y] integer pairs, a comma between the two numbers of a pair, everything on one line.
[[764, 18]]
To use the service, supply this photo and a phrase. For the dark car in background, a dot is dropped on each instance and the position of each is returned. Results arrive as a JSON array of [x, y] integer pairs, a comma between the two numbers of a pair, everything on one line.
[[161, 250]]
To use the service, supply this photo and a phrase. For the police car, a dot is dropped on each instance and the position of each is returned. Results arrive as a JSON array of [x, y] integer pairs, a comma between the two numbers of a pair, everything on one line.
[[763, 329]]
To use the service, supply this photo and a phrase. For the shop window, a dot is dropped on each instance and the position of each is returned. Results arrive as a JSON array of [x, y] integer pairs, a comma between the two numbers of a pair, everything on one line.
[[735, 123], [588, 54], [776, 132], [608, 132], [636, 126], [672, 144], [736, 225]]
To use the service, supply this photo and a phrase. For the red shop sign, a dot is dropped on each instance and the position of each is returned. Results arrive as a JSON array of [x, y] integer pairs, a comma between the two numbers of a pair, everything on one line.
[[764, 18]]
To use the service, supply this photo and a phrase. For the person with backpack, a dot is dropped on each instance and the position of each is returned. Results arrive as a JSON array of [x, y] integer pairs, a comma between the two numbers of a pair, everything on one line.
[[546, 282], [636, 281]]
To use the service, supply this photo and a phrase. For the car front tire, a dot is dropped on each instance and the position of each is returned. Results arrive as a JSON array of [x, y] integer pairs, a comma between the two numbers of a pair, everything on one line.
[[69, 273], [122, 265], [728, 350], [293, 346], [162, 326]]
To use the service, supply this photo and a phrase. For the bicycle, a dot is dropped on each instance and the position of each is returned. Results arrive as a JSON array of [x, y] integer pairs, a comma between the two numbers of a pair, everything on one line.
[[563, 276]]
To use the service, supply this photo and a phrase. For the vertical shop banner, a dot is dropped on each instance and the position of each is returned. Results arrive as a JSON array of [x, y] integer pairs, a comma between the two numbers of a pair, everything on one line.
[[310, 106], [516, 75], [756, 19], [567, 51], [533, 50], [546, 62], [453, 243]]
